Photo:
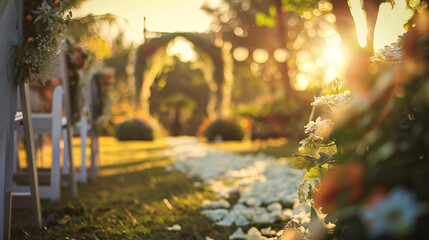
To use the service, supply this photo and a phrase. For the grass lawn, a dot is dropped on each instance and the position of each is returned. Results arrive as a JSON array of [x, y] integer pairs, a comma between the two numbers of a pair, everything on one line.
[[134, 198]]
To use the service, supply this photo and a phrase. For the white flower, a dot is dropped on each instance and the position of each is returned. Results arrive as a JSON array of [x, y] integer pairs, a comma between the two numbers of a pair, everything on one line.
[[175, 227], [309, 140], [391, 52], [333, 101], [314, 126], [394, 215]]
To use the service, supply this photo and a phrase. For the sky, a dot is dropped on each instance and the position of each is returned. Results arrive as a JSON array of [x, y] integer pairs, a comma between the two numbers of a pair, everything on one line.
[[185, 15], [161, 15]]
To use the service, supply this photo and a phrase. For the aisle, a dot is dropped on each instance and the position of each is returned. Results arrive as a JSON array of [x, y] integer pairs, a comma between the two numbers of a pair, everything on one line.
[[264, 185]]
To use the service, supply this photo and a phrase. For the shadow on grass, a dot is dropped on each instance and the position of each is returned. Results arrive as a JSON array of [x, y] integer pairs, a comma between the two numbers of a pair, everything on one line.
[[137, 205]]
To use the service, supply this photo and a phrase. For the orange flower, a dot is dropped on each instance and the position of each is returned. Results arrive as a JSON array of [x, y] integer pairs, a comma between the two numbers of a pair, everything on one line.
[[77, 48], [339, 187], [29, 17], [57, 2], [30, 40]]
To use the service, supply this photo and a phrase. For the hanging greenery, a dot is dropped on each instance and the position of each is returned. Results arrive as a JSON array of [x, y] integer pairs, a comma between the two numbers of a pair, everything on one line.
[[43, 22]]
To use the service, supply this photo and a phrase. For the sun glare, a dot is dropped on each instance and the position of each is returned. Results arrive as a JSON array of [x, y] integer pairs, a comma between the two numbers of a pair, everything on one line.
[[302, 82], [334, 56], [181, 48]]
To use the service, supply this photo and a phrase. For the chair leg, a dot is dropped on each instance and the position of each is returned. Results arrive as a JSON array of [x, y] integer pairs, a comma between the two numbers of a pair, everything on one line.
[[55, 169], [15, 152], [69, 149], [83, 135], [95, 160]]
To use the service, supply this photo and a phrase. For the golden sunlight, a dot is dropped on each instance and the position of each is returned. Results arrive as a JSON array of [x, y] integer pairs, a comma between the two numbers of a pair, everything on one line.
[[183, 49], [334, 56], [302, 82]]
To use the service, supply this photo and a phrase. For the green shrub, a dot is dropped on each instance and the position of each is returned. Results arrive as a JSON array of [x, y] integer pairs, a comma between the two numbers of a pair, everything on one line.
[[134, 130], [228, 130]]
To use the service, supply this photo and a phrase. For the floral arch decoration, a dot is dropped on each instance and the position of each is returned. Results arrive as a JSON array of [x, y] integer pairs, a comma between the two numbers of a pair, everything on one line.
[[215, 63]]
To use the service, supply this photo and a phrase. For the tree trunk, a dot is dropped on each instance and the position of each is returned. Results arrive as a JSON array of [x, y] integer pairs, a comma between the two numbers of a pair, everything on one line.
[[288, 91], [345, 24]]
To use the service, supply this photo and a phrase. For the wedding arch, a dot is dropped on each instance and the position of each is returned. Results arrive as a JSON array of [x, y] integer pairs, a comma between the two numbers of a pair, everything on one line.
[[214, 61]]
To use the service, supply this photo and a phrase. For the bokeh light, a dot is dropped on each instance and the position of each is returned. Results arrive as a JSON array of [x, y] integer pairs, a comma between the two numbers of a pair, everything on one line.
[[302, 82], [260, 55], [183, 49], [281, 55], [240, 54]]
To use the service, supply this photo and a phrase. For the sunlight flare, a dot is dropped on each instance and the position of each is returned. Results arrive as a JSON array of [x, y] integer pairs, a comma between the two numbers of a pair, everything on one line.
[[334, 56], [183, 49], [302, 82]]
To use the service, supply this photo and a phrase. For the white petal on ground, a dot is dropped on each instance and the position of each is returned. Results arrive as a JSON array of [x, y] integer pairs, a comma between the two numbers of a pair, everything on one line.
[[254, 234], [221, 203], [266, 231], [175, 227], [238, 234], [241, 221], [274, 207], [227, 221], [258, 179]]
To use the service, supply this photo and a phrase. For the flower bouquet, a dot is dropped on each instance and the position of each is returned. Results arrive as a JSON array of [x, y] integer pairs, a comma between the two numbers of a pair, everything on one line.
[[44, 21]]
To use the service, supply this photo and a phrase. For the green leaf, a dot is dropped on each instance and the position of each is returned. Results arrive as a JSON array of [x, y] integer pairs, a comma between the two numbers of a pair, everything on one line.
[[303, 162], [313, 173], [322, 159], [313, 215]]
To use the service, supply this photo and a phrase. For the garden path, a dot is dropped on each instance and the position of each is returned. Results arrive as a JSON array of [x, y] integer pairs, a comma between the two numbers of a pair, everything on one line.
[[266, 186]]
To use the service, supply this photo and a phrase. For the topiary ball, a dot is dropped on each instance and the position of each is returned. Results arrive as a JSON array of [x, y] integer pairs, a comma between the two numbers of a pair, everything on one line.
[[226, 129], [134, 130]]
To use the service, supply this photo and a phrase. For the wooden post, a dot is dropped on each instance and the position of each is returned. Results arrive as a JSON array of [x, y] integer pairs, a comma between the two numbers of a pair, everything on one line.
[[65, 81], [29, 145]]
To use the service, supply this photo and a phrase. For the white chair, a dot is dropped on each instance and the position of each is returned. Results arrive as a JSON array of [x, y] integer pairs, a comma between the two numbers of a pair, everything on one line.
[[85, 130], [54, 124]]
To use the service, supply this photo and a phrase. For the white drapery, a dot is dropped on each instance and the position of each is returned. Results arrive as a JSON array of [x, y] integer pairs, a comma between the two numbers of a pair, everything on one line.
[[11, 35]]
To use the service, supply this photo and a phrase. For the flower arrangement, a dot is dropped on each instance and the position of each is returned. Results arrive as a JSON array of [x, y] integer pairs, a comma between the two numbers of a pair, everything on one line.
[[371, 175], [77, 55], [44, 21], [77, 58]]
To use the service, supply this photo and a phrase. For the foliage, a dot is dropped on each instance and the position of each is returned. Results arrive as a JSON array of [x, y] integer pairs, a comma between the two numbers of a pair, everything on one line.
[[89, 26], [44, 21], [223, 130], [182, 79], [376, 184], [276, 117], [134, 130], [178, 101], [299, 6]]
